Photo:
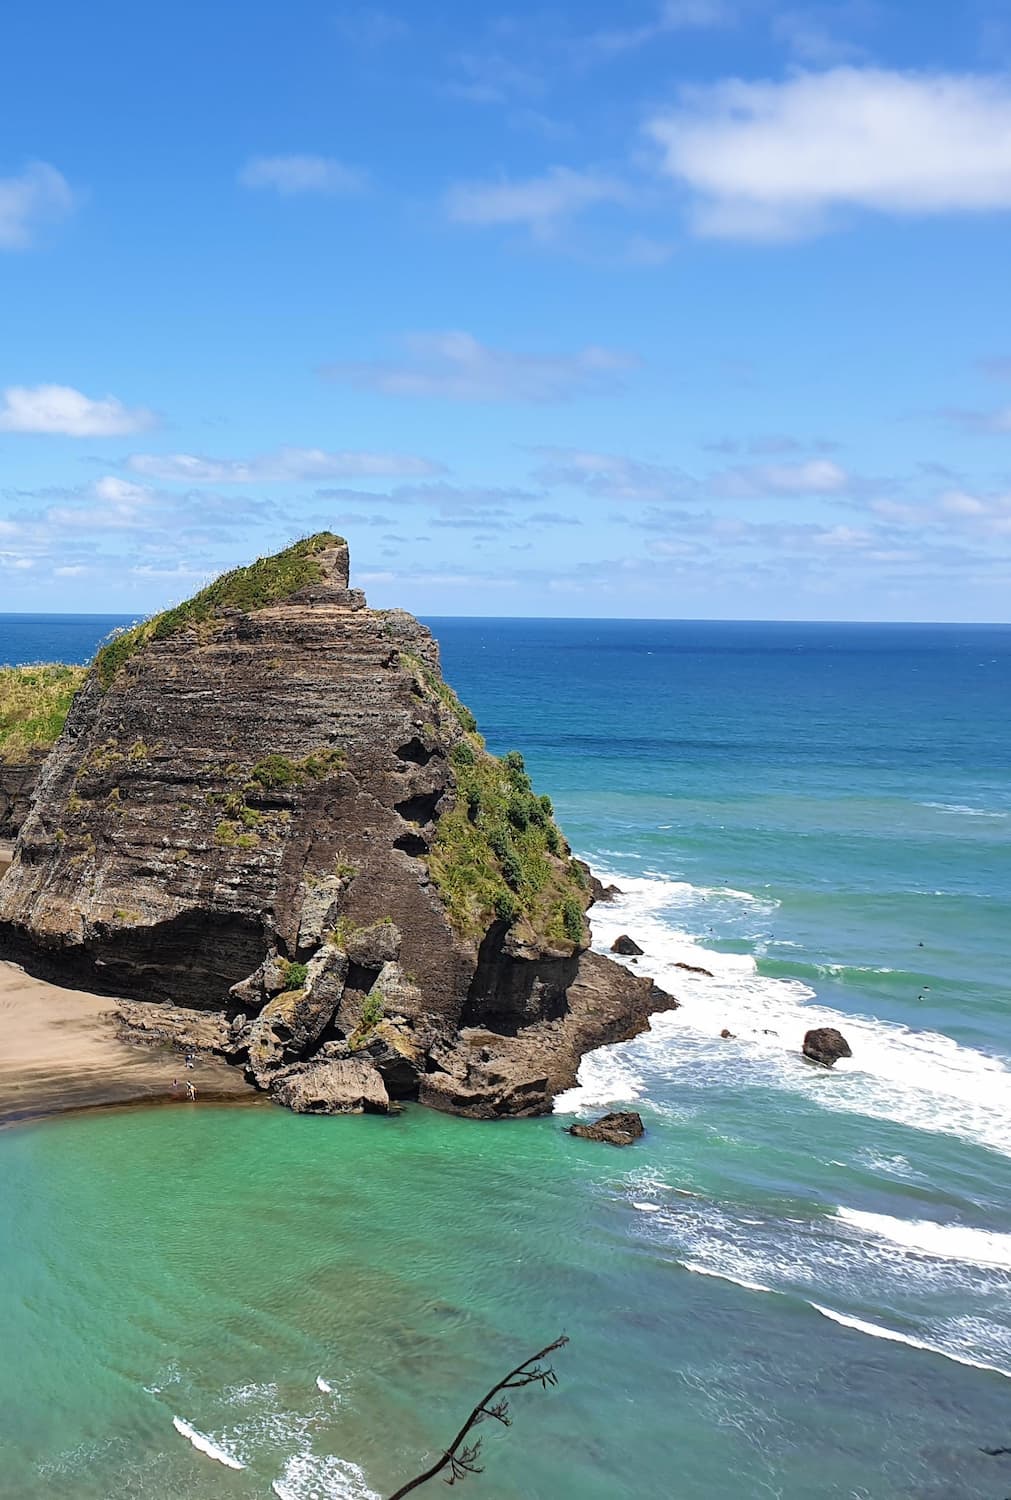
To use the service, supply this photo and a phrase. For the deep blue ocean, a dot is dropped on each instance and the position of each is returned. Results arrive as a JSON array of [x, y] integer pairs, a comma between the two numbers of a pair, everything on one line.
[[798, 1285]]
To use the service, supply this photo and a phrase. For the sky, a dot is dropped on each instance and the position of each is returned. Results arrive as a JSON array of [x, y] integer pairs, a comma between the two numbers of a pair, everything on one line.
[[673, 308]]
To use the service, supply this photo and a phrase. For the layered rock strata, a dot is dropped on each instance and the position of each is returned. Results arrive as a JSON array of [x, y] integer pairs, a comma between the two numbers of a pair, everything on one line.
[[268, 805]]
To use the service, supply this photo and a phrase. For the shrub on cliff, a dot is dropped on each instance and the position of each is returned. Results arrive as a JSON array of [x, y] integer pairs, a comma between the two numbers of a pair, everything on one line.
[[34, 703]]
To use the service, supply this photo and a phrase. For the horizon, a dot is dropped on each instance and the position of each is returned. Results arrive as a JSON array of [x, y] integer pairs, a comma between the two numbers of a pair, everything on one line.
[[690, 307]]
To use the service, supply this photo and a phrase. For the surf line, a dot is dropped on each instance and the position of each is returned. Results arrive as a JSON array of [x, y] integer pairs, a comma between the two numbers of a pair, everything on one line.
[[877, 1332], [858, 1325], [205, 1444]]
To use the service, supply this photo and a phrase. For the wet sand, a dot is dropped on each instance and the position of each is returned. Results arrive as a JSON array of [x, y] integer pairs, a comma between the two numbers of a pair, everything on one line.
[[59, 1050]]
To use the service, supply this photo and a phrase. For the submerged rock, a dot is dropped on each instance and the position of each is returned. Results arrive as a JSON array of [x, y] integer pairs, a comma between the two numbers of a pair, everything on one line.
[[618, 1129], [626, 946], [267, 803], [825, 1045], [695, 969]]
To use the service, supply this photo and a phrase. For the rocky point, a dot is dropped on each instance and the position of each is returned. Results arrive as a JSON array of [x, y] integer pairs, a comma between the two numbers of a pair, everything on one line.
[[270, 824]]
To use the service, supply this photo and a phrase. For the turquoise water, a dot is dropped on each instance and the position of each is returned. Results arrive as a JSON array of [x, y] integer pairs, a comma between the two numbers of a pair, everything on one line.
[[797, 1285]]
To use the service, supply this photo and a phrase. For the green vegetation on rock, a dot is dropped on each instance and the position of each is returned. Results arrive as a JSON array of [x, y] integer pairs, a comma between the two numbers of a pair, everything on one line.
[[498, 853], [264, 582], [34, 703]]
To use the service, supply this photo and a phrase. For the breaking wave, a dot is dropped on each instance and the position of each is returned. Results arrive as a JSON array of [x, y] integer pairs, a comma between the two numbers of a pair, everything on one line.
[[921, 1079], [204, 1444]]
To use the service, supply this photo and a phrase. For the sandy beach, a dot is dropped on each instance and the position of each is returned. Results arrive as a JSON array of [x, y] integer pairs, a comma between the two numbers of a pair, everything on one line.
[[60, 1051]]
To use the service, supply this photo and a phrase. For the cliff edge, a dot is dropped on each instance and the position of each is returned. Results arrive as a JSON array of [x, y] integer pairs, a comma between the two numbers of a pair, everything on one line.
[[267, 805]]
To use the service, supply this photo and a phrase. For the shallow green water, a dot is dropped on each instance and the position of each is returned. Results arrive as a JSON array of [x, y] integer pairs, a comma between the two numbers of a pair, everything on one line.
[[210, 1264]]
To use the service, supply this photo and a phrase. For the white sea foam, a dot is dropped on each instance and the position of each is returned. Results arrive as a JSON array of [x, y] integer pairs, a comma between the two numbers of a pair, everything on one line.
[[960, 809], [308, 1476], [877, 1332], [323, 1385], [958, 1242], [207, 1445], [750, 1286], [921, 1079], [648, 1208]]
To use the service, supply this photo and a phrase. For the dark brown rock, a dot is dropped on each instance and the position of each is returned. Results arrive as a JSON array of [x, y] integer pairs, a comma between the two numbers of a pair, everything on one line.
[[626, 946], [598, 890], [695, 969], [825, 1045], [17, 783], [727, 1036], [619, 1129]]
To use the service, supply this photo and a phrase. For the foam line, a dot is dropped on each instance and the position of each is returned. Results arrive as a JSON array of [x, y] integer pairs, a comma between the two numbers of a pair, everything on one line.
[[207, 1445], [875, 1331], [958, 1242]]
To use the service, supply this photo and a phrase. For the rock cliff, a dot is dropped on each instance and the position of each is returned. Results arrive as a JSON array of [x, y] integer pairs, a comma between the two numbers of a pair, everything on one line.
[[268, 804]]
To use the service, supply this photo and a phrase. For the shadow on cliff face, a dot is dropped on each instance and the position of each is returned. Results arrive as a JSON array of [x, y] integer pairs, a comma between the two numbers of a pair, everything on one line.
[[509, 991], [187, 960]]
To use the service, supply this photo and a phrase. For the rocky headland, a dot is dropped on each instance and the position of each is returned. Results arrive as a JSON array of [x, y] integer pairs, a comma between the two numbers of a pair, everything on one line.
[[270, 825]]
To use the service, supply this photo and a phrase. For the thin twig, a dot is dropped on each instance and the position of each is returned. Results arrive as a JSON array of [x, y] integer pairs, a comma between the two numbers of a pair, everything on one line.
[[462, 1461]]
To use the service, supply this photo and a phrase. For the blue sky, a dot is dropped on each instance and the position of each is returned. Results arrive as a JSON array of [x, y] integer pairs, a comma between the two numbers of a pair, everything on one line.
[[680, 308]]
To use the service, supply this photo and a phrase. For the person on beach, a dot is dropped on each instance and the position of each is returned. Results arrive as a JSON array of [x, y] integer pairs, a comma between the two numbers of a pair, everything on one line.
[[191, 1092]]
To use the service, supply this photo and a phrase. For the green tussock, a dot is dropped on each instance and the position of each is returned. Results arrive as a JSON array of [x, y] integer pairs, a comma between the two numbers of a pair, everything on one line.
[[34, 703], [263, 582], [499, 854]]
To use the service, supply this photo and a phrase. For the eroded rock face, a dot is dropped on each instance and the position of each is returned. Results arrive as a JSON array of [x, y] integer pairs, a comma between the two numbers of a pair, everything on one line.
[[825, 1045], [247, 814], [335, 1086], [618, 1129], [17, 782]]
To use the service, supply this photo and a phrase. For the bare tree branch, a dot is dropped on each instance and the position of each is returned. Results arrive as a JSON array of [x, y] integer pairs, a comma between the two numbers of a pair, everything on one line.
[[463, 1460]]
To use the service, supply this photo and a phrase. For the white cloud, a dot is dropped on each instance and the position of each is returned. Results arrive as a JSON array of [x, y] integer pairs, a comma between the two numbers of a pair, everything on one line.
[[39, 195], [775, 160], [816, 476], [457, 367], [291, 175], [62, 410], [284, 464], [674, 15], [367, 26], [997, 421], [613, 476], [541, 203]]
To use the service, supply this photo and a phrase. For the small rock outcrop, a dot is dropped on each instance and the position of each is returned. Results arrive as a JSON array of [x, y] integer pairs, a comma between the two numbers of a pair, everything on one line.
[[267, 805], [695, 969], [617, 1129], [626, 946], [825, 1045], [598, 890]]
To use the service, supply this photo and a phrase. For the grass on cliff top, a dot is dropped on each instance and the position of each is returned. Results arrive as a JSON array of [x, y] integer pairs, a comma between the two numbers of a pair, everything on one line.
[[499, 853], [34, 703], [264, 582]]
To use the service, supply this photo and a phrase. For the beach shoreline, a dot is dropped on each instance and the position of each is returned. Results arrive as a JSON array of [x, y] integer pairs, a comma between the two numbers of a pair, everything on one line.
[[62, 1051]]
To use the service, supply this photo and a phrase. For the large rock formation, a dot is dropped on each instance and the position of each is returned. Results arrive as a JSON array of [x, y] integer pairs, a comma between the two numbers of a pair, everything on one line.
[[268, 803]]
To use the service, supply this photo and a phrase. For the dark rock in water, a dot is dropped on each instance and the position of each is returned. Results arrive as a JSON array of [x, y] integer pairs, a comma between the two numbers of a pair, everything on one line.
[[625, 945], [268, 805], [695, 969], [598, 890], [825, 1045], [619, 1129], [727, 1036]]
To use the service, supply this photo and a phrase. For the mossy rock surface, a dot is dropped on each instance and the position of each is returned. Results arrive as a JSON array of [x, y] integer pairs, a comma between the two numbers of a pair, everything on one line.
[[267, 581]]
